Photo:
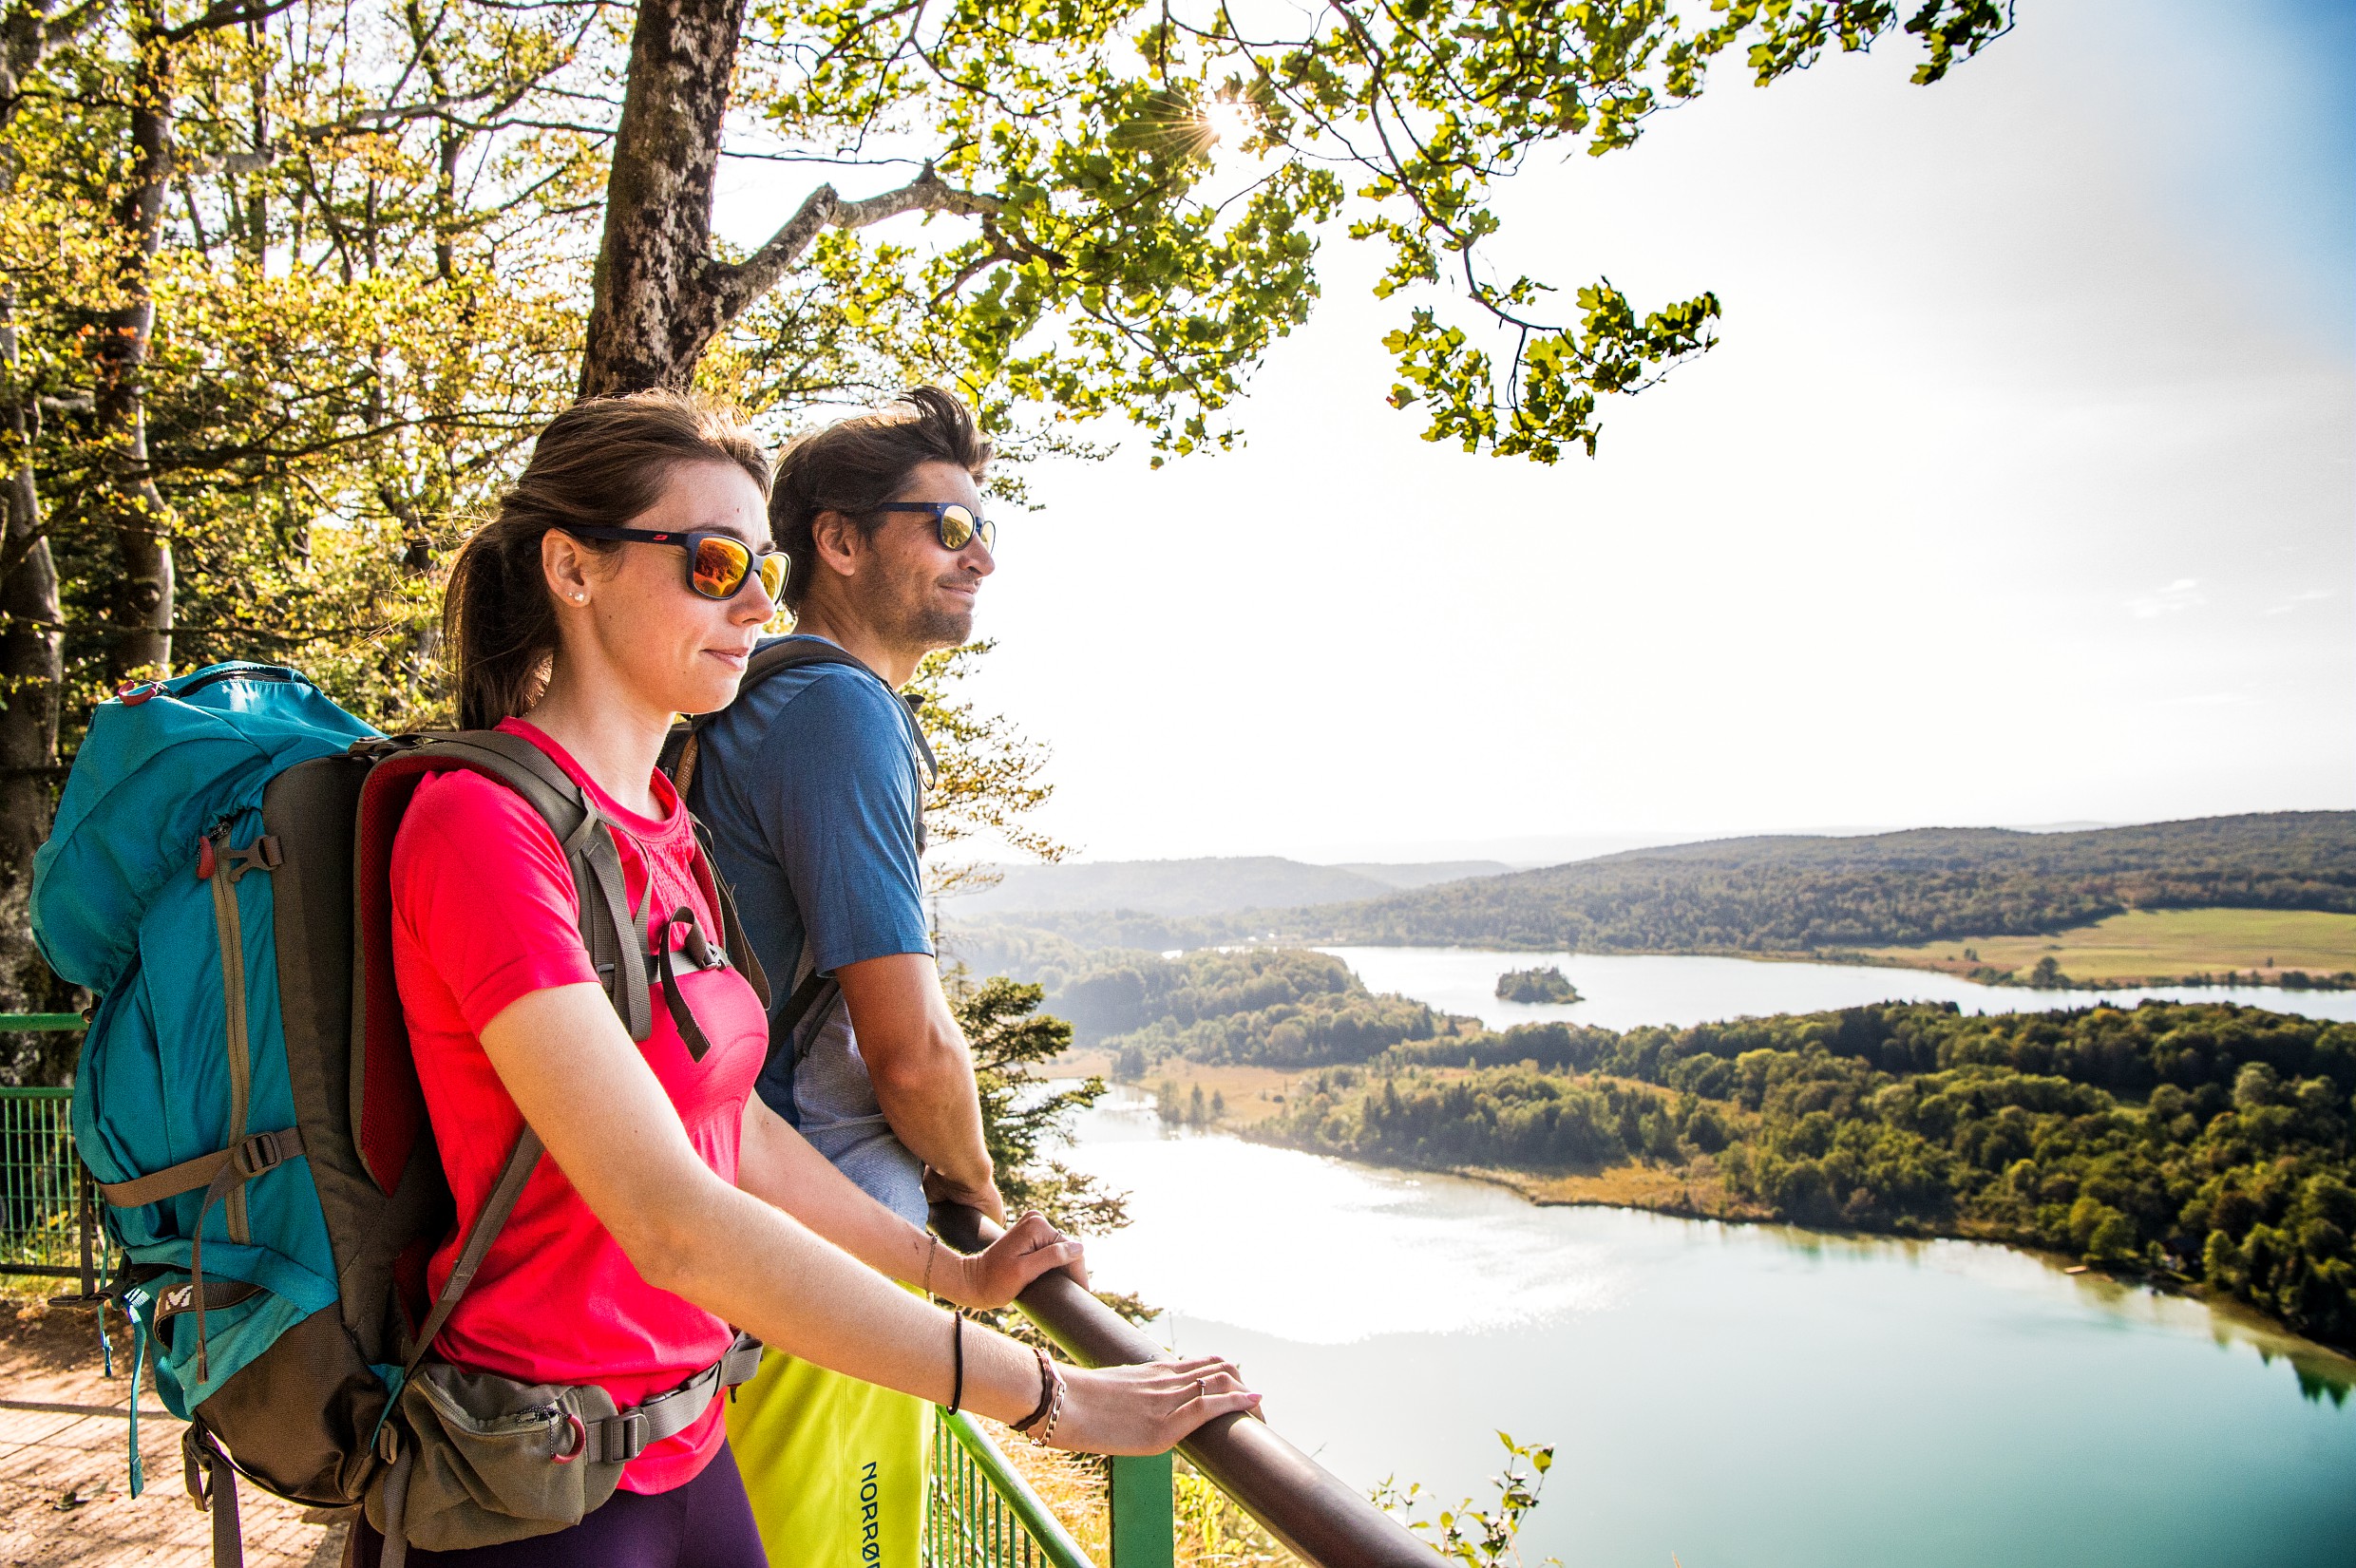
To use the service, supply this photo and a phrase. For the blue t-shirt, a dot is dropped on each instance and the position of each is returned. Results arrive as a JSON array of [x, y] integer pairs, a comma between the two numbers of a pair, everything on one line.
[[810, 785]]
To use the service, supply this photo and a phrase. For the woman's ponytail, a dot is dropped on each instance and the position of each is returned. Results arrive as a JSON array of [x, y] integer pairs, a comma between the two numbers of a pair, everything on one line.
[[599, 463]]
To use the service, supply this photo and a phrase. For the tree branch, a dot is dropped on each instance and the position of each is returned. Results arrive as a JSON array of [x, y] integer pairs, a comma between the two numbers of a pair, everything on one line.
[[734, 286]]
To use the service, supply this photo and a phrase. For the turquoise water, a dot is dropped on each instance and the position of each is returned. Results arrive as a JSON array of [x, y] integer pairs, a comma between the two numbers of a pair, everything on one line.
[[1738, 1396]]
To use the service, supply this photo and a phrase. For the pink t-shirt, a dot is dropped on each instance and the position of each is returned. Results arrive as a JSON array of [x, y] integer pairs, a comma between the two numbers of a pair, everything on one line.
[[483, 914]]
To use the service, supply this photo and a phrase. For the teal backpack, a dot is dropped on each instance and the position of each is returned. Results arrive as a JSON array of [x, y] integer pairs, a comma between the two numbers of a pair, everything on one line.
[[246, 1104]]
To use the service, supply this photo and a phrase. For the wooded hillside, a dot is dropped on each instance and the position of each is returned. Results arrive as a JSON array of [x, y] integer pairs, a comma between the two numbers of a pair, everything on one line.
[[1799, 895]]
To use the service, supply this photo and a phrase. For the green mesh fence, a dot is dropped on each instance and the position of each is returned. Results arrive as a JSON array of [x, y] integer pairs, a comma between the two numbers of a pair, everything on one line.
[[981, 1513], [48, 1218]]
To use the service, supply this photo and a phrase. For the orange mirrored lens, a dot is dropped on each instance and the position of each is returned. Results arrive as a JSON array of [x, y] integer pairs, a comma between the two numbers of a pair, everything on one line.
[[720, 567]]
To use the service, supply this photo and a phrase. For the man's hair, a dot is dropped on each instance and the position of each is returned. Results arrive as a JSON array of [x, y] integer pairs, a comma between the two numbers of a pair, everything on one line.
[[856, 464]]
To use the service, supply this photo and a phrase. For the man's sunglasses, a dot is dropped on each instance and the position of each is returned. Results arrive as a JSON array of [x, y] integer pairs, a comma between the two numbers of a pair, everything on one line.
[[958, 526], [717, 564]]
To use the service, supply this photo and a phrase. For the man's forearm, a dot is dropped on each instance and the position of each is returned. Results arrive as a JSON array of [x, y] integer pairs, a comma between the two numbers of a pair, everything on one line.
[[918, 1061], [929, 1098]]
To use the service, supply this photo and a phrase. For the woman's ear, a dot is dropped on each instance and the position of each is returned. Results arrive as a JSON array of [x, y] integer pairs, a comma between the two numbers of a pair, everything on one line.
[[564, 565]]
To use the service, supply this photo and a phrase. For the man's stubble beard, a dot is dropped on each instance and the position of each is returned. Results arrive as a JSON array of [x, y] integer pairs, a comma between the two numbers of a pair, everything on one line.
[[924, 626]]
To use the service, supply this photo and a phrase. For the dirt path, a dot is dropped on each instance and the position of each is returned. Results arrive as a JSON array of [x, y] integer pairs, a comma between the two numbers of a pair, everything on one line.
[[65, 1497]]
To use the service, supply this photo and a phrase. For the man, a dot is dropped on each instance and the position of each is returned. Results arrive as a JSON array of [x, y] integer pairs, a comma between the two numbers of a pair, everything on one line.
[[812, 786]]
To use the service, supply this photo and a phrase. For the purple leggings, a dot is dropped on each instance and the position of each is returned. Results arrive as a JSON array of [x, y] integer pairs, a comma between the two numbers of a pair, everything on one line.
[[706, 1523]]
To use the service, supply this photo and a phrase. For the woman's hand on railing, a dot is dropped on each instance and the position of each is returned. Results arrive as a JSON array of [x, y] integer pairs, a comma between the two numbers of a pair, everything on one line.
[[1148, 1409], [997, 1275]]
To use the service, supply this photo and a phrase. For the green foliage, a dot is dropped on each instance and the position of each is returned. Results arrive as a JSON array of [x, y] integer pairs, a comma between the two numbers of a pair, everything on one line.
[[2211, 1143], [1277, 1006], [367, 230], [1476, 1537], [1022, 1116]]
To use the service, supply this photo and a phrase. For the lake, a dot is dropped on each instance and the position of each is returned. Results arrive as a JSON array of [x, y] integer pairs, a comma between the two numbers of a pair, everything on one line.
[[1738, 1396], [1623, 991]]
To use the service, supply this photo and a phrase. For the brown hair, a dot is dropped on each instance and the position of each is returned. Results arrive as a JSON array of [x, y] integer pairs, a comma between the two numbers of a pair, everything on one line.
[[597, 465], [856, 464]]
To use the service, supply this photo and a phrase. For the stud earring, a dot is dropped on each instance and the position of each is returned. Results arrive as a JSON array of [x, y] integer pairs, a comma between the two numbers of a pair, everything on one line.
[[581, 599]]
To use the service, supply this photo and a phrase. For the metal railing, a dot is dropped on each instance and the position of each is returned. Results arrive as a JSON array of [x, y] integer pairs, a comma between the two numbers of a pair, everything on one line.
[[1313, 1513]]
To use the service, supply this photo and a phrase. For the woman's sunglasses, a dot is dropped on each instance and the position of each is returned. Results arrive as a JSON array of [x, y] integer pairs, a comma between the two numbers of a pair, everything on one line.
[[958, 526], [717, 564]]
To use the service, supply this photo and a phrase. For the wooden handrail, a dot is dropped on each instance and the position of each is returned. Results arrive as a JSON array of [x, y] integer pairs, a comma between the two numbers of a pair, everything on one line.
[[1316, 1517]]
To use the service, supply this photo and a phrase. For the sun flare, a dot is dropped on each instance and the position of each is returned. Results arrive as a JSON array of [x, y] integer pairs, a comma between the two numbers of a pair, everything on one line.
[[1229, 123]]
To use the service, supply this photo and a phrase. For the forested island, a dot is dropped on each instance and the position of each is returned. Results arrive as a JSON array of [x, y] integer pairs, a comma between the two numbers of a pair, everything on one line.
[[1535, 985], [1263, 1007], [2205, 1145]]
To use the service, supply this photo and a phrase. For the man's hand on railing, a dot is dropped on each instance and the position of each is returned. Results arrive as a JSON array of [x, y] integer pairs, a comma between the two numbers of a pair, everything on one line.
[[996, 1275], [1148, 1408]]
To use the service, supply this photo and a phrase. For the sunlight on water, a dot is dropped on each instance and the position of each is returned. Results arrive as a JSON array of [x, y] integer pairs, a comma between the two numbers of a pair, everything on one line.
[[1742, 1396], [1389, 1253]]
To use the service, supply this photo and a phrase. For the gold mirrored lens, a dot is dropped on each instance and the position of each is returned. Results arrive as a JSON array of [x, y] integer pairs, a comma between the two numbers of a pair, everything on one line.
[[956, 527], [720, 567], [774, 568]]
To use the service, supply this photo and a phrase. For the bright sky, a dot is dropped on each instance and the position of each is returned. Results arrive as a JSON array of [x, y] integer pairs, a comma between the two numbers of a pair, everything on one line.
[[2019, 491]]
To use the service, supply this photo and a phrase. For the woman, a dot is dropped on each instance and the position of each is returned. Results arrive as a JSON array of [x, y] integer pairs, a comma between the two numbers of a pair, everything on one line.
[[672, 1204]]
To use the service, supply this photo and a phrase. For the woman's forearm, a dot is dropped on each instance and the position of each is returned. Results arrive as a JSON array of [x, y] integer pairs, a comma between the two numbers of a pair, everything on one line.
[[775, 1164], [608, 1126], [800, 1292]]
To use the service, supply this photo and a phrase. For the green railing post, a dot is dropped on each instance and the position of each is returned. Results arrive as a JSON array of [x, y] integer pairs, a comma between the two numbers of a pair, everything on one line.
[[1144, 1522]]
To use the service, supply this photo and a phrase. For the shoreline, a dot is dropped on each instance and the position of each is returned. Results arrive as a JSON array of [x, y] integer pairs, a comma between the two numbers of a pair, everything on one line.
[[1865, 958], [1736, 1212]]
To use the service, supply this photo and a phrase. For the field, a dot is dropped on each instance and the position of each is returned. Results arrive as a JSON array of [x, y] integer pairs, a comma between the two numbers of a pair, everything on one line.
[[1251, 1093], [2158, 944]]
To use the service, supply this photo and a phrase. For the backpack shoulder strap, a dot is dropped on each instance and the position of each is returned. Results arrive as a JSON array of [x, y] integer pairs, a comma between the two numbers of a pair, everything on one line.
[[608, 927], [682, 748]]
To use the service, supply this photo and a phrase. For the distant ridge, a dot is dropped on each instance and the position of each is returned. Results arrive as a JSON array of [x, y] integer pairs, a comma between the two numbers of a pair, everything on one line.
[[1795, 893], [1210, 885]]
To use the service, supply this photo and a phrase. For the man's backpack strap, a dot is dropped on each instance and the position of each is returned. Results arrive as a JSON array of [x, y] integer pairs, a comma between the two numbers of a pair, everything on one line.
[[684, 743], [724, 899]]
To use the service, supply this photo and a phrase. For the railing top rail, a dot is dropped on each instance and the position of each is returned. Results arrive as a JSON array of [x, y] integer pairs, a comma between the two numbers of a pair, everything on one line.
[[33, 1091], [1321, 1519], [20, 1022]]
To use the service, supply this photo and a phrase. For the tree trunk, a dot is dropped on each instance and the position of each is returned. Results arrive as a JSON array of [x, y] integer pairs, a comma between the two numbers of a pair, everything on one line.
[[31, 673], [652, 312], [142, 627]]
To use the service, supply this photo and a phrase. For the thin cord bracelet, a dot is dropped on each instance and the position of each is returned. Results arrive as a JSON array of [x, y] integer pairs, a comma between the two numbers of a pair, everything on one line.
[[957, 1354]]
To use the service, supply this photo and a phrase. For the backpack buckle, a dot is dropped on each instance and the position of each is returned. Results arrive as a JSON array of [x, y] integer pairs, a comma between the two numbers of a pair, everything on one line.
[[264, 1151]]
